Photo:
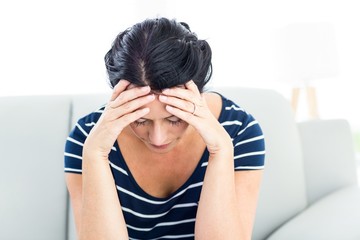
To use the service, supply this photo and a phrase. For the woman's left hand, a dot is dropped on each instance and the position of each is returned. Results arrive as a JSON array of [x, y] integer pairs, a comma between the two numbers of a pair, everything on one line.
[[190, 105]]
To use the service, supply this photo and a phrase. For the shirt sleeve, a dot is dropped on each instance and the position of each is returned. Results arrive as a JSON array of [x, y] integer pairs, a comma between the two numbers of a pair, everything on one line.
[[249, 145], [74, 147]]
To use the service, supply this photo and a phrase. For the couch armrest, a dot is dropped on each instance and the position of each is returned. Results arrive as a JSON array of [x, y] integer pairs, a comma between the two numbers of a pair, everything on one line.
[[329, 156], [334, 217]]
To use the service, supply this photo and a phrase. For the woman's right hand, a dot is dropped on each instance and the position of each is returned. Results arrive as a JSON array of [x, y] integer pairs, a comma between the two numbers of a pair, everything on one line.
[[123, 108]]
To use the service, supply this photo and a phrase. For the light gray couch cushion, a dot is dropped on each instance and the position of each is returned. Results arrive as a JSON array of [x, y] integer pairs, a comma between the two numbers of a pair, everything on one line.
[[33, 197], [329, 156], [334, 217]]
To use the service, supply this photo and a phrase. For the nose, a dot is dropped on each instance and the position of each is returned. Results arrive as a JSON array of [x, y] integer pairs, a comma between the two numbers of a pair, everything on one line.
[[157, 134]]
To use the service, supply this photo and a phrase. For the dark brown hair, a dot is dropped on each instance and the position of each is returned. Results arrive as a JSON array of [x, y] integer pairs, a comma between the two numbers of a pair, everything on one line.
[[160, 53]]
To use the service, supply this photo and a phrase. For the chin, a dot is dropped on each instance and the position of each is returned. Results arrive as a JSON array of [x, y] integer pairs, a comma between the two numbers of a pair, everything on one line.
[[161, 149]]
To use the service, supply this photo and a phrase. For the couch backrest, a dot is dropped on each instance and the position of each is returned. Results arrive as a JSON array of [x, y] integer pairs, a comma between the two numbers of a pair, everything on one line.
[[329, 165], [33, 196], [282, 194]]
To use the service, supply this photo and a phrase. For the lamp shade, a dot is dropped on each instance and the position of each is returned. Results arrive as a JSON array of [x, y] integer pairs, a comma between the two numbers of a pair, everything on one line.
[[307, 52]]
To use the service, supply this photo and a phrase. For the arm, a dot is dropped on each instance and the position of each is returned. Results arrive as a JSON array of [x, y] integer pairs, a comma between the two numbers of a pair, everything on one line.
[[97, 210], [247, 184], [74, 186], [218, 216], [228, 199], [101, 214], [84, 208]]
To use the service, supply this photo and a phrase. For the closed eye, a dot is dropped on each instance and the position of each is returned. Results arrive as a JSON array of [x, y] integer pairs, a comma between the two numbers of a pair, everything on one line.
[[140, 122], [174, 120], [177, 122]]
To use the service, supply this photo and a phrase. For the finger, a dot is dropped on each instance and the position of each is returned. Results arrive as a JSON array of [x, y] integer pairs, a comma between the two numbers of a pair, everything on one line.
[[132, 117], [190, 91], [179, 93], [129, 95], [192, 86], [119, 88], [131, 106], [184, 115], [178, 103], [117, 125]]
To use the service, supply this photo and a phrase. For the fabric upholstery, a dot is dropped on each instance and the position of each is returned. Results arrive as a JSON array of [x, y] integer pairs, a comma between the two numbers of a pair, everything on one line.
[[33, 196], [329, 157], [333, 217]]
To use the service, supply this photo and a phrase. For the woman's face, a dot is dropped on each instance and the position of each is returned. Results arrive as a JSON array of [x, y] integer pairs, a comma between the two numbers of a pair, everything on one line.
[[159, 130]]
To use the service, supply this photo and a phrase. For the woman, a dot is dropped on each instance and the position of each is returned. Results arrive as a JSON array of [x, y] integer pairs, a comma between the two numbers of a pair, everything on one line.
[[164, 159]]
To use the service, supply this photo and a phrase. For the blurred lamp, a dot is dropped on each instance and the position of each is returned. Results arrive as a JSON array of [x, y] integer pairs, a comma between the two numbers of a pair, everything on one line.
[[307, 52]]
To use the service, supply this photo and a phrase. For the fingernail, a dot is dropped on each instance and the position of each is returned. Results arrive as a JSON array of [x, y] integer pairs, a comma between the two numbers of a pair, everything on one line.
[[162, 97], [169, 108], [145, 110], [144, 89]]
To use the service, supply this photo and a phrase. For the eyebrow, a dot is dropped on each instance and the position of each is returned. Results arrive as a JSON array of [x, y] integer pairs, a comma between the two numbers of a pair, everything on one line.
[[164, 118]]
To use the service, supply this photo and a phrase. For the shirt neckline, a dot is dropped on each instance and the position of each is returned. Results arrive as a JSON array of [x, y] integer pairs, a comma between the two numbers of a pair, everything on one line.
[[143, 193]]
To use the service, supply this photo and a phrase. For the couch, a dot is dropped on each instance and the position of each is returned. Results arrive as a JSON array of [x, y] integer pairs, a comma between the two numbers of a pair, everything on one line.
[[309, 189]]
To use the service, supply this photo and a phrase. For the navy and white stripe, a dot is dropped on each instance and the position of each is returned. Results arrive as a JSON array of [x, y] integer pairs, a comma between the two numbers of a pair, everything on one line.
[[173, 217]]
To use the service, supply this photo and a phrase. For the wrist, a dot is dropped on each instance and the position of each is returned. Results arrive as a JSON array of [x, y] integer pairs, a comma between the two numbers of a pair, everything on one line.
[[94, 153], [224, 148]]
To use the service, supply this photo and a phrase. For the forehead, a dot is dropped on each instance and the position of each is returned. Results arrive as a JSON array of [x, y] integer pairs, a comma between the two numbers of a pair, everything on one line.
[[157, 110]]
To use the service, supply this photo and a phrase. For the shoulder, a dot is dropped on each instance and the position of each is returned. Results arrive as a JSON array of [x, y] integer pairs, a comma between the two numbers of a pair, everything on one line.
[[75, 141], [228, 109], [214, 102], [246, 134], [85, 123], [234, 118]]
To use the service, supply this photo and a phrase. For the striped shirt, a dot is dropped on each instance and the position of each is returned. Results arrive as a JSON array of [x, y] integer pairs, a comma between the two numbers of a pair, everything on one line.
[[173, 217]]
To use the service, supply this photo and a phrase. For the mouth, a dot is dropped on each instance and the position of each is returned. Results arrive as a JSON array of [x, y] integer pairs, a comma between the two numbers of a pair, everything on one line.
[[164, 146]]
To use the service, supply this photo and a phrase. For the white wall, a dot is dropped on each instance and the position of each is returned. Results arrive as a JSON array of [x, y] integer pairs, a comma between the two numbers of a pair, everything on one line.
[[52, 47]]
